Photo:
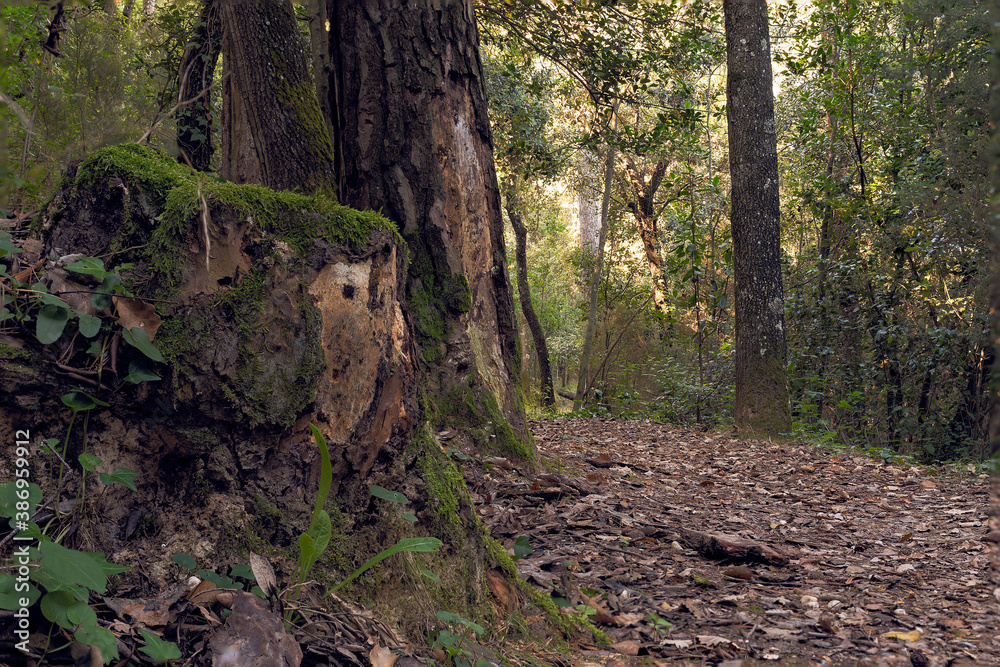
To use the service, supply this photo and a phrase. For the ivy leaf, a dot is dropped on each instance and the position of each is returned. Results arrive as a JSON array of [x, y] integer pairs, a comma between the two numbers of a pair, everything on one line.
[[122, 476], [139, 339], [90, 266], [50, 323], [89, 325], [159, 650], [386, 494]]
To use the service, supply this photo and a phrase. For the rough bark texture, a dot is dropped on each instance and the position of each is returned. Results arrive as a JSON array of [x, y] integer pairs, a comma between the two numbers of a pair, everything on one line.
[[761, 375], [414, 142], [194, 120], [642, 203], [254, 348], [524, 293], [274, 132], [583, 378], [994, 428]]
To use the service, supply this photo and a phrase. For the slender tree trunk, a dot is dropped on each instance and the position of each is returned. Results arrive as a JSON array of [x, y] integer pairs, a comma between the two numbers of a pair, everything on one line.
[[643, 207], [524, 293], [583, 377], [413, 141], [269, 101], [761, 375], [197, 71]]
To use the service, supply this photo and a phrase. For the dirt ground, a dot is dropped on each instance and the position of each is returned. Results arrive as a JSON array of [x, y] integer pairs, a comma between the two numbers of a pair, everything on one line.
[[691, 546]]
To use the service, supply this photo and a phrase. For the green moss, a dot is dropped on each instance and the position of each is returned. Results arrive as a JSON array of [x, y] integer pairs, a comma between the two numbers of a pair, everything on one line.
[[479, 413], [11, 352], [445, 482], [565, 623], [433, 295]]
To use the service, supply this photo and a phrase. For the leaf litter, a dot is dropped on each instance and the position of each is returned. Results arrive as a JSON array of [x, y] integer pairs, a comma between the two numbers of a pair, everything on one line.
[[687, 546]]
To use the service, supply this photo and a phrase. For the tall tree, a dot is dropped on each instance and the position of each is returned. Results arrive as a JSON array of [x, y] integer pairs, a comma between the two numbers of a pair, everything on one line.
[[274, 132], [761, 374], [414, 142], [197, 71]]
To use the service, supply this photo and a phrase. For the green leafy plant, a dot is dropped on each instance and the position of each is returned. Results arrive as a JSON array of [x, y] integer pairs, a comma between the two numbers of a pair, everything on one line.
[[455, 641], [314, 541], [159, 650]]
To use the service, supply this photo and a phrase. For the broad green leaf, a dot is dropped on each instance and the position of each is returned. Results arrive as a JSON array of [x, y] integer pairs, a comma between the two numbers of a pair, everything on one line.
[[139, 339], [123, 476], [137, 374], [159, 650], [102, 638], [521, 547], [50, 323], [91, 266], [102, 297], [10, 495], [90, 325], [185, 561], [55, 605], [72, 567], [410, 516], [243, 572], [106, 567], [320, 531], [11, 598], [81, 401], [208, 575], [7, 246], [89, 461], [430, 575], [80, 613], [386, 494]]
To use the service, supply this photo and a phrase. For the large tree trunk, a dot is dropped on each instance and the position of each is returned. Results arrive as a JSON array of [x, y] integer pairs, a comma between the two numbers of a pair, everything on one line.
[[274, 132], [524, 292], [194, 120], [414, 142], [761, 374]]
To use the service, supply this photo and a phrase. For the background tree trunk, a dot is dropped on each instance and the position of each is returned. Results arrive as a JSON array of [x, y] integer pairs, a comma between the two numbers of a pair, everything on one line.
[[583, 378], [197, 70], [761, 375], [274, 132], [524, 292], [414, 142]]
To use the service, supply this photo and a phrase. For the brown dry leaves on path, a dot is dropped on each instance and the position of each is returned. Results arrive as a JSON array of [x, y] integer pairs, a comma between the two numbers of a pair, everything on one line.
[[701, 547]]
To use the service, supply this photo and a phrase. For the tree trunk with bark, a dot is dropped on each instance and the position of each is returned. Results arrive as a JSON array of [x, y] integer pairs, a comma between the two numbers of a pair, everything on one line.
[[413, 141], [761, 374], [642, 204], [524, 292], [274, 132], [197, 71]]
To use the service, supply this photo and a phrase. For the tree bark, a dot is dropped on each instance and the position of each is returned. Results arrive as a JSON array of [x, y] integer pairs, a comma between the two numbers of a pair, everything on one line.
[[643, 206], [761, 375], [274, 133], [413, 140], [524, 293], [583, 378], [197, 71]]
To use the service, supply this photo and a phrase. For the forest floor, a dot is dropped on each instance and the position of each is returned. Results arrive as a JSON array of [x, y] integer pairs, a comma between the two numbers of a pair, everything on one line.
[[690, 546]]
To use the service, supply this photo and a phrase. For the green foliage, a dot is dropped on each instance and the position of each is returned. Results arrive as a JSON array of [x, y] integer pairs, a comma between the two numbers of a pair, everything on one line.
[[314, 541], [159, 650]]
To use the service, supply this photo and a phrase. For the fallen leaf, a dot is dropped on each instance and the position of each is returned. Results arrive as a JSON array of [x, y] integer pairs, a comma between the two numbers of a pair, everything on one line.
[[136, 313], [381, 656], [739, 572], [627, 647], [628, 619], [911, 636]]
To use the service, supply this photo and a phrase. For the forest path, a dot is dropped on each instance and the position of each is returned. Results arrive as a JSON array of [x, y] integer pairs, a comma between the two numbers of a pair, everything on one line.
[[844, 559]]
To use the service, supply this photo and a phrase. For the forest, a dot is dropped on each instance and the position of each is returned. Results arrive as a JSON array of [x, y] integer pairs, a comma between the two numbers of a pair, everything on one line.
[[332, 281]]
